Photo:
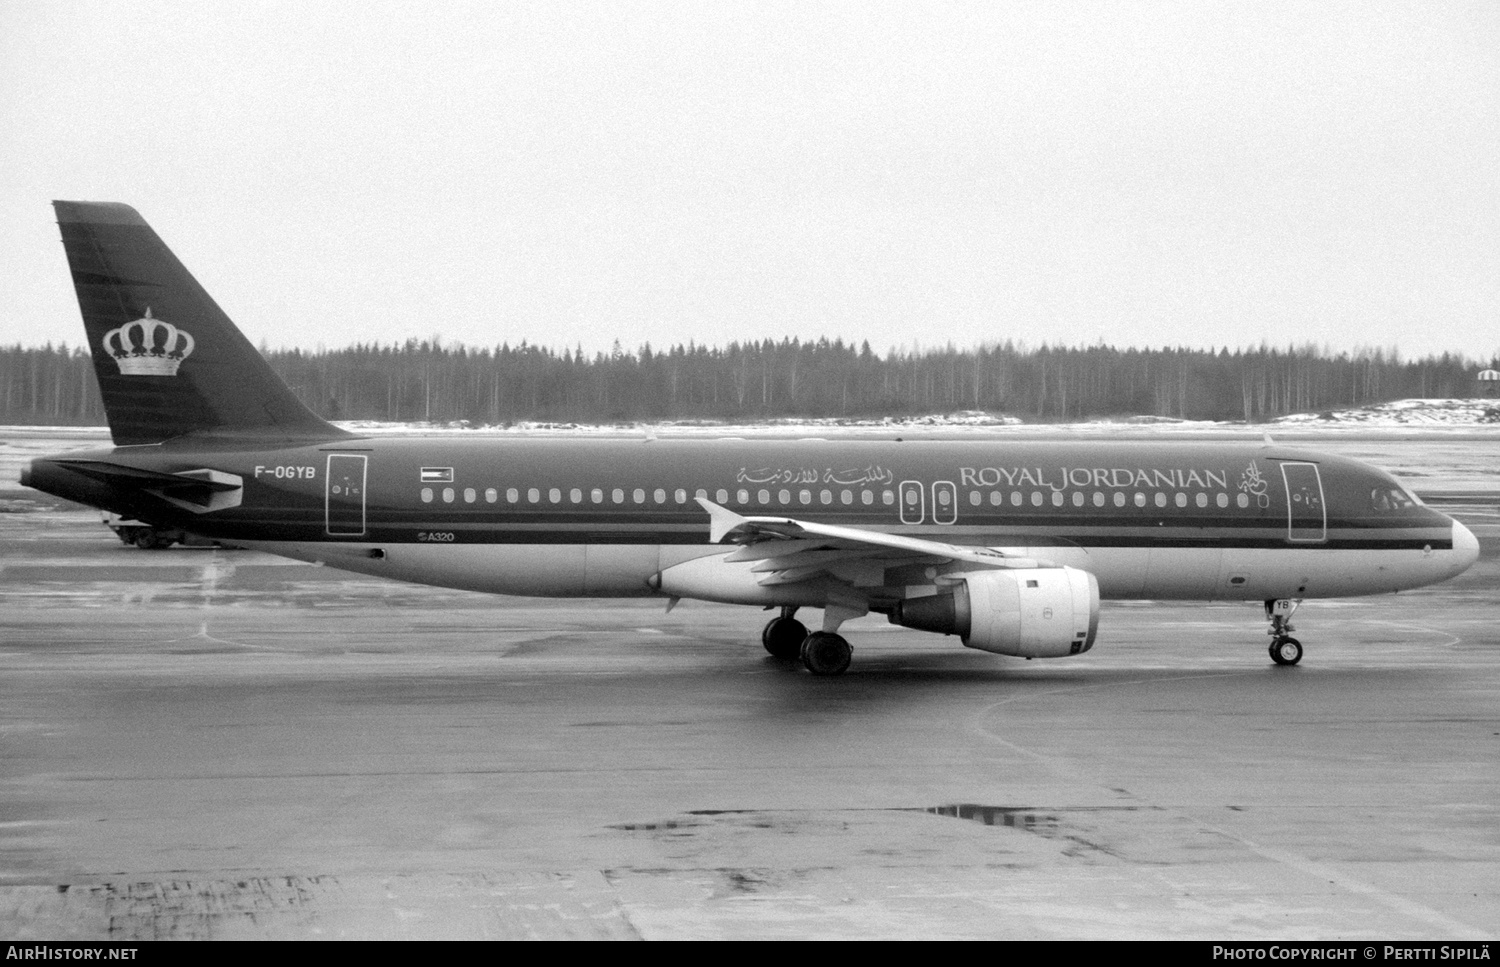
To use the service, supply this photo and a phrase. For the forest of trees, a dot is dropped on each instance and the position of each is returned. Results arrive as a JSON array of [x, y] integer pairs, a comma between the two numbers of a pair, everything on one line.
[[430, 381]]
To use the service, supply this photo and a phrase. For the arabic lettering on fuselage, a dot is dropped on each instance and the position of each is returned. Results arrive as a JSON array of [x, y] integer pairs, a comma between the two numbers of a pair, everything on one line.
[[1255, 484], [810, 475], [1047, 478], [1115, 478]]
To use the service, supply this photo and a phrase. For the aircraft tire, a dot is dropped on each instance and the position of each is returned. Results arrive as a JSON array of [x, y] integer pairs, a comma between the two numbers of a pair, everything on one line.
[[783, 638], [146, 539], [1286, 651], [826, 654]]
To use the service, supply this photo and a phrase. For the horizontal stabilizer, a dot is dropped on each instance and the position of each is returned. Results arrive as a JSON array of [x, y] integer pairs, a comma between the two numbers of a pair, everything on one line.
[[125, 477], [196, 490]]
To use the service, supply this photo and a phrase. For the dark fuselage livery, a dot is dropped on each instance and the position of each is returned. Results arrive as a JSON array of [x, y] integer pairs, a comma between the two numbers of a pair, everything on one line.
[[1008, 543], [1130, 512]]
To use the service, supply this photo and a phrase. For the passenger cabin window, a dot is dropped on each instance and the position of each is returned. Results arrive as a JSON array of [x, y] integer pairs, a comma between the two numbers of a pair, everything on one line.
[[491, 495]]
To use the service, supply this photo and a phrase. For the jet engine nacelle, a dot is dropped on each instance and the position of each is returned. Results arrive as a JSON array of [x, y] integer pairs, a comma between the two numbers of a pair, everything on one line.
[[1038, 613]]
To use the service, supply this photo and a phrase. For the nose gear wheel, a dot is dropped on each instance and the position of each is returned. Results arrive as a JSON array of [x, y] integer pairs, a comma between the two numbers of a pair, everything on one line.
[[1286, 651]]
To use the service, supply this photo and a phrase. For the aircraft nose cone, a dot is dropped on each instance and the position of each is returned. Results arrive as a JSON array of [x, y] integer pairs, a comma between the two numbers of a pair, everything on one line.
[[1465, 548]]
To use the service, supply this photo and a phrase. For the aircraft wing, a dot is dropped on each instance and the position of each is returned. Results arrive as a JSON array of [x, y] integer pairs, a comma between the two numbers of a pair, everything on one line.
[[788, 551]]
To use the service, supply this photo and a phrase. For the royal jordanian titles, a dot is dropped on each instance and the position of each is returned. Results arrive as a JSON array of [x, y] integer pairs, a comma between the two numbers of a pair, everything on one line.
[[1010, 545]]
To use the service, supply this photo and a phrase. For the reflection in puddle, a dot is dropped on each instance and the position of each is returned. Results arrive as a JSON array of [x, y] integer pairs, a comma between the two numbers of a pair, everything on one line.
[[1019, 817]]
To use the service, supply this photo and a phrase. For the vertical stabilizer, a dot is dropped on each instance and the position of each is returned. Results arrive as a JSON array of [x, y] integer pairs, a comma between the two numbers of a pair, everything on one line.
[[168, 360]]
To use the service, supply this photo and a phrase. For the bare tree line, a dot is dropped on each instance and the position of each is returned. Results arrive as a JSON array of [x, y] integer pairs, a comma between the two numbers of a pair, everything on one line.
[[429, 381]]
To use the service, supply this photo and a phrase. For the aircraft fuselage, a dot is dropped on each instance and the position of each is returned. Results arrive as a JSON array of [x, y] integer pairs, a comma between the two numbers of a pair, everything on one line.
[[617, 517]]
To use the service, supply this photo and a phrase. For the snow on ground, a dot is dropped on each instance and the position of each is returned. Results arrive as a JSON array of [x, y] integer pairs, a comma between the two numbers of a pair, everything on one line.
[[1437, 415], [883, 426], [1407, 413]]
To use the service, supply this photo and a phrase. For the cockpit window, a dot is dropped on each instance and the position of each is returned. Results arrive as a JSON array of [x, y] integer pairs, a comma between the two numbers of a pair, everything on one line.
[[1391, 499]]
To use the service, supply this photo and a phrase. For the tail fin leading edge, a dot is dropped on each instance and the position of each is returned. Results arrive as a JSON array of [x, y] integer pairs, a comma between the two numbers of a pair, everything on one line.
[[168, 360]]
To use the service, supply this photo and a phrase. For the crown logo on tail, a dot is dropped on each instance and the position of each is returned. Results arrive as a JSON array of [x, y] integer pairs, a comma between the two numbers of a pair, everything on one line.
[[148, 347]]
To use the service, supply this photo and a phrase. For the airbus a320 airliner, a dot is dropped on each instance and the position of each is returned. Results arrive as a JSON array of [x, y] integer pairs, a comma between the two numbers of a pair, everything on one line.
[[1008, 544]]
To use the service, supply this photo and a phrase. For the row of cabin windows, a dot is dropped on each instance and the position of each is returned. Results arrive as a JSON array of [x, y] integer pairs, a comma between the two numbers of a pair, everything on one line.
[[827, 497], [660, 495], [1100, 499]]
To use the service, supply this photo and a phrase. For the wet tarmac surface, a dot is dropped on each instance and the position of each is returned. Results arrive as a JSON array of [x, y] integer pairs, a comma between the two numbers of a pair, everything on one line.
[[202, 743]]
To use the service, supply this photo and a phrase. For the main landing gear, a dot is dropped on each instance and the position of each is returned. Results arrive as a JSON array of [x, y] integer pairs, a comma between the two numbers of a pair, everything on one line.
[[822, 652], [826, 653], [1285, 650], [783, 636]]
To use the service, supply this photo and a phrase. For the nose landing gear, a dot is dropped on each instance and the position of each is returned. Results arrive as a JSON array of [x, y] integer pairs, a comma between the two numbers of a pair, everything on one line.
[[1285, 650]]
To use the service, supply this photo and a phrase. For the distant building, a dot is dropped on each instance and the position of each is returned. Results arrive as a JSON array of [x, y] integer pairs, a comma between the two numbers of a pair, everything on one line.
[[1487, 384]]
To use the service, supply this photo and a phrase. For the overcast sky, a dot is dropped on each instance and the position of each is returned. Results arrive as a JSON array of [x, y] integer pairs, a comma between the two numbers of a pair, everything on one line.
[[1145, 174]]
